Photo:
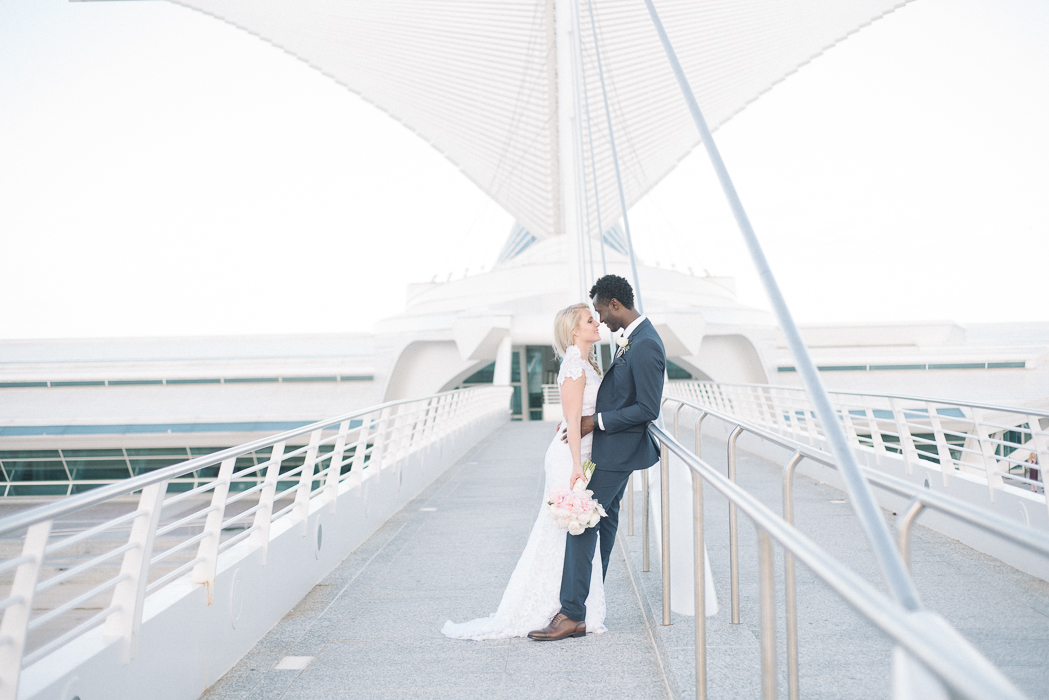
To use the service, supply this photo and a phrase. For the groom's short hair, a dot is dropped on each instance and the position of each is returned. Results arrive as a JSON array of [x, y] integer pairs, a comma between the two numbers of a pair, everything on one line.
[[612, 287]]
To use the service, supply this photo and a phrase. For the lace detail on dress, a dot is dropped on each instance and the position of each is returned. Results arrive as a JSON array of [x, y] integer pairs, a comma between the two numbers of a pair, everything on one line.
[[573, 366]]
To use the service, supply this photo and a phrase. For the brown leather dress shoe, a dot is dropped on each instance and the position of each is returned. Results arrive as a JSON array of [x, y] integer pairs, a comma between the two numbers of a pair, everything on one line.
[[559, 628]]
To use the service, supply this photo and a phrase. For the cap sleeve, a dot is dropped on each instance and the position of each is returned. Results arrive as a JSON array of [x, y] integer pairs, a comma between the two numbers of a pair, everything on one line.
[[572, 366]]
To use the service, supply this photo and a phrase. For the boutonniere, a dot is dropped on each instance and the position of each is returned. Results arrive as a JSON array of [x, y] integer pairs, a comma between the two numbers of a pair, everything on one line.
[[623, 343]]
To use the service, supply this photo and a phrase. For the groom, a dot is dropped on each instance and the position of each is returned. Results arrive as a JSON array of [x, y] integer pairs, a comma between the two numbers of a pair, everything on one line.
[[627, 402]]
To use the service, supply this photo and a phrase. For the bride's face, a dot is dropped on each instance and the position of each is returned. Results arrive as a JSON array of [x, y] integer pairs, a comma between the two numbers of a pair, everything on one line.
[[587, 330]]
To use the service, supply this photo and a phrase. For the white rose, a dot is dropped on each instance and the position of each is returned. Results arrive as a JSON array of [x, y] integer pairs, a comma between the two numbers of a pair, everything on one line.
[[622, 341], [575, 528]]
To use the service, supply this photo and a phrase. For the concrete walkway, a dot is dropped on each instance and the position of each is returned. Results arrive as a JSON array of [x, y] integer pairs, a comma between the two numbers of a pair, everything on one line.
[[372, 627]]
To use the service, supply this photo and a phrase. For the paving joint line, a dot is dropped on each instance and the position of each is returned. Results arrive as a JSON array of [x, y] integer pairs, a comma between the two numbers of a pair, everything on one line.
[[645, 612]]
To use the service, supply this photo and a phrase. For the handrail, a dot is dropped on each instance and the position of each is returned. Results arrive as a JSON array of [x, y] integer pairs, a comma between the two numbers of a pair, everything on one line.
[[1004, 444], [905, 397], [1010, 529], [367, 444], [71, 504], [924, 634]]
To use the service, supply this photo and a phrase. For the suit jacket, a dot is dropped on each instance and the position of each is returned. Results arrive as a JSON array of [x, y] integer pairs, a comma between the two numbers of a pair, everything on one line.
[[628, 401]]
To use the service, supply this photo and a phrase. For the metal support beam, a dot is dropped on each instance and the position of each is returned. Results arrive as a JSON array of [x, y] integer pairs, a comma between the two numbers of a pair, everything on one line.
[[615, 161], [885, 552]]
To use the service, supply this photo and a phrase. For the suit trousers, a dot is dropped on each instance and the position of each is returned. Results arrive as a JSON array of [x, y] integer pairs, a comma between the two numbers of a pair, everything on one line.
[[608, 488]]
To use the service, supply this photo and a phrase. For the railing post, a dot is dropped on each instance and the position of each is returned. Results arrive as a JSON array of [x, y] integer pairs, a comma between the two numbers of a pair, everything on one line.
[[630, 504], [877, 442], [792, 412], [766, 574], [360, 451], [417, 413], [699, 434], [644, 521], [811, 425], [903, 429], [664, 516], [331, 478], [677, 412], [943, 450], [208, 552], [770, 407], [379, 446], [302, 493], [16, 618], [733, 533], [850, 428], [790, 582], [426, 423], [913, 511], [990, 460], [778, 411], [263, 516], [699, 584], [130, 594]]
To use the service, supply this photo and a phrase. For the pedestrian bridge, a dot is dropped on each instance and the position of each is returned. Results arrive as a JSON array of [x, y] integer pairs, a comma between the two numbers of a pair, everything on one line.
[[326, 565]]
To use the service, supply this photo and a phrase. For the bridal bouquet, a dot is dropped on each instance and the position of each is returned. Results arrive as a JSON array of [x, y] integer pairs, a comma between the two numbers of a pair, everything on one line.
[[575, 510]]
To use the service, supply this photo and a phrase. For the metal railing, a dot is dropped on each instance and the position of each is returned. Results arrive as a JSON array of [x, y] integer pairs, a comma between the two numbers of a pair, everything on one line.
[[924, 635], [920, 499], [64, 579], [1003, 445]]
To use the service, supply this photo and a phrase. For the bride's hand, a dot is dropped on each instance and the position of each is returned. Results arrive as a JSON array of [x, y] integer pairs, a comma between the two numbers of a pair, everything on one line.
[[577, 473]]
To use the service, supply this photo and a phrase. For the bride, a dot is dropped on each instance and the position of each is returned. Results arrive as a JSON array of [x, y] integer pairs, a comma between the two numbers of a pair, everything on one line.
[[532, 597]]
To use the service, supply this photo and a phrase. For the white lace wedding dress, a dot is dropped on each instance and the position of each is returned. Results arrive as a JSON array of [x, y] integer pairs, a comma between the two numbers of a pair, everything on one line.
[[533, 595]]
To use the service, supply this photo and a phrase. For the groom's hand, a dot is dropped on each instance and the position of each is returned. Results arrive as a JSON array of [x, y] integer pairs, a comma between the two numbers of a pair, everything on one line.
[[586, 426]]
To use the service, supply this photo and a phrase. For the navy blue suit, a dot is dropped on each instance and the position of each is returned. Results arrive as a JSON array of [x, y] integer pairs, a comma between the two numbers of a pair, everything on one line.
[[628, 401]]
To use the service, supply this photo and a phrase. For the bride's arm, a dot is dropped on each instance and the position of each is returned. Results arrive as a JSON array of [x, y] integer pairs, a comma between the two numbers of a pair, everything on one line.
[[572, 405]]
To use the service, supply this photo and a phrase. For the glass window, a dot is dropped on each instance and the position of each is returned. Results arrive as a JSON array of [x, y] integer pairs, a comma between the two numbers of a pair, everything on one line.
[[141, 466], [98, 469], [157, 452], [535, 380], [35, 471], [93, 453], [515, 368], [485, 375], [29, 454], [677, 372], [196, 451], [34, 490], [515, 402]]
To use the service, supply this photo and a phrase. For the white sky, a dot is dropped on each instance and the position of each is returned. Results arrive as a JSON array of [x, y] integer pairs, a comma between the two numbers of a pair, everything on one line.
[[162, 173]]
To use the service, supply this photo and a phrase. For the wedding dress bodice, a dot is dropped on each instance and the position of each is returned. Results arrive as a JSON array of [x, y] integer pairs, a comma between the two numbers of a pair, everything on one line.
[[573, 366]]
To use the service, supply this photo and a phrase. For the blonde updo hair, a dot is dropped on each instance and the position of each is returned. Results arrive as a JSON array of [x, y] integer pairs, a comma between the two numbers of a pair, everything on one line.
[[565, 323]]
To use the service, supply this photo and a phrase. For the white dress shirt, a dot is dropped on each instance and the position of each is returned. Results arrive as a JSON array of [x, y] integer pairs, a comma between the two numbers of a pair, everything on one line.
[[626, 334]]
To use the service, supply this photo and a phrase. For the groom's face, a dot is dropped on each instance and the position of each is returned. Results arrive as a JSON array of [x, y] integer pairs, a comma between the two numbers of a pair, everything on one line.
[[608, 313]]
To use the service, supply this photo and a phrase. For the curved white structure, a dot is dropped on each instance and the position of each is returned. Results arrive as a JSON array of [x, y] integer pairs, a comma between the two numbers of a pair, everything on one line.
[[451, 330], [492, 86]]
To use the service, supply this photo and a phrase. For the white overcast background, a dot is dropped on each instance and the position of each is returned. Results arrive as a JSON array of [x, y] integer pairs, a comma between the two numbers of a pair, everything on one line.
[[162, 173]]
